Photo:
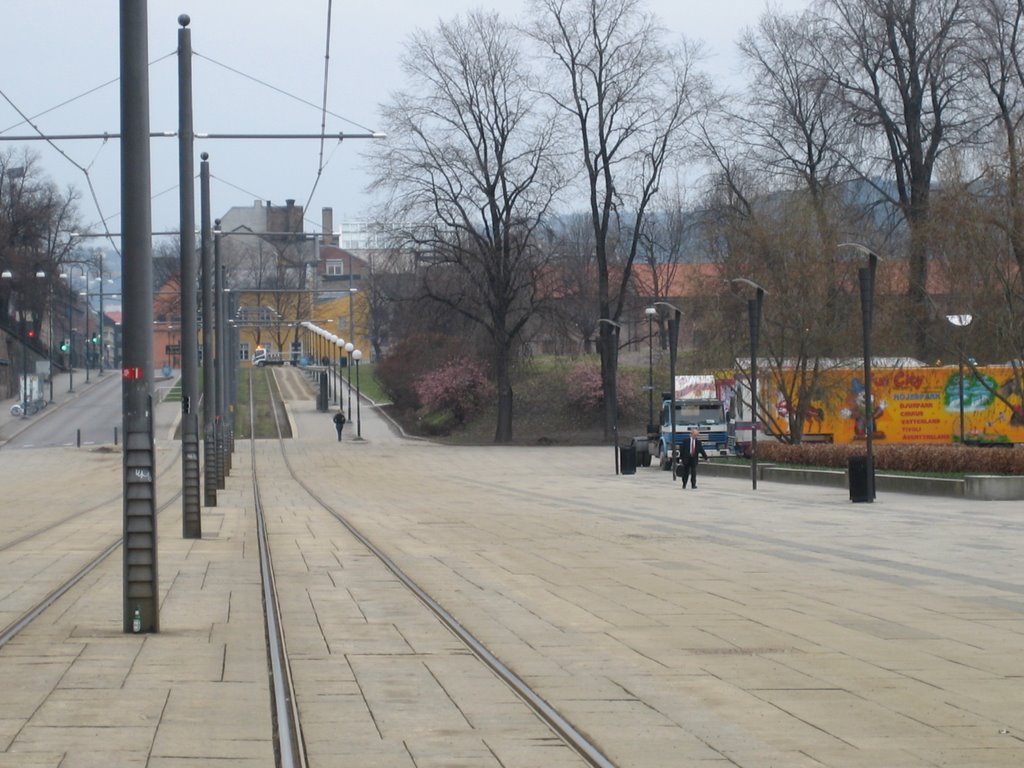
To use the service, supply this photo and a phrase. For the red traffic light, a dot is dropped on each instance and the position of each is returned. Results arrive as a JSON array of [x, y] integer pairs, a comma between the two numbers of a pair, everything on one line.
[[31, 333]]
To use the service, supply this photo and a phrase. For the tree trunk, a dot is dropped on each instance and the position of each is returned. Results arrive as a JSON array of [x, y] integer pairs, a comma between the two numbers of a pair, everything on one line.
[[503, 380], [609, 388]]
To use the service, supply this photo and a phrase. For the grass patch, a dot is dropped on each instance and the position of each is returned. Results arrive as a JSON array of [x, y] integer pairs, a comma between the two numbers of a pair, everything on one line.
[[265, 424], [368, 384]]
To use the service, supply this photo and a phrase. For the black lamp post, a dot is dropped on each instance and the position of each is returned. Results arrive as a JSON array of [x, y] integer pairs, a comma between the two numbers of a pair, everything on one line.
[[961, 322], [616, 330], [357, 355], [673, 342], [866, 278], [650, 312], [349, 348], [754, 315], [23, 321]]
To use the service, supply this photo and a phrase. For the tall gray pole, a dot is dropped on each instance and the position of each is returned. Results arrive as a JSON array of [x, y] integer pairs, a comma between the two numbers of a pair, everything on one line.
[[140, 594], [866, 276], [221, 363], [754, 313], [99, 254], [673, 340], [209, 328], [191, 517]]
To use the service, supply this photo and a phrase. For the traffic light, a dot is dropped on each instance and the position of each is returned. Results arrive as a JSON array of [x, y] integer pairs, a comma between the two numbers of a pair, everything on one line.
[[32, 333], [95, 338], [65, 345]]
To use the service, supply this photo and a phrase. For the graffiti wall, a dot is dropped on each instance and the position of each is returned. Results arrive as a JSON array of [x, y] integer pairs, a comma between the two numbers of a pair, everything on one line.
[[914, 405]]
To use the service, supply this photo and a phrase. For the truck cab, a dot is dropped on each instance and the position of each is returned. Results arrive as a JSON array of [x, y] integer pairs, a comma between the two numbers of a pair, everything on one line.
[[262, 357], [707, 415]]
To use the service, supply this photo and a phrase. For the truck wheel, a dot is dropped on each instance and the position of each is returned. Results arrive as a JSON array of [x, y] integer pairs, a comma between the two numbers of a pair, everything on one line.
[[664, 461]]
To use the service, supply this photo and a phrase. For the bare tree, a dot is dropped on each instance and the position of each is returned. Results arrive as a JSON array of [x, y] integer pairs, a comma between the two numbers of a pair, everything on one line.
[[470, 174], [36, 222], [902, 72], [574, 277], [980, 232], [778, 198], [630, 98], [665, 238]]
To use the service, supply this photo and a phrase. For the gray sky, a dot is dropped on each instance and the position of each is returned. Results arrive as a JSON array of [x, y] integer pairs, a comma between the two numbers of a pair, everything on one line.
[[56, 50]]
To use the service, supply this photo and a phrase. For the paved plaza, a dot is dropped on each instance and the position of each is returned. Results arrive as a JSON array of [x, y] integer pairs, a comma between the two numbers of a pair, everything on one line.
[[723, 626]]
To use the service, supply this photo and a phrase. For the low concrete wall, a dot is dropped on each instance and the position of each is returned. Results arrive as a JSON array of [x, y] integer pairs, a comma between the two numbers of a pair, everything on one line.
[[832, 478], [994, 487], [981, 487], [922, 486]]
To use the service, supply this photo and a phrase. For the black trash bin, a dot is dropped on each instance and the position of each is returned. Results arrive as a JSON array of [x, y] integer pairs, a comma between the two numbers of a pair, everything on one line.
[[861, 475], [321, 395], [627, 459]]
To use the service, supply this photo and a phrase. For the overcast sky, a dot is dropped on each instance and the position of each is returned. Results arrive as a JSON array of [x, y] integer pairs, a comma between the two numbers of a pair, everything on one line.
[[56, 50]]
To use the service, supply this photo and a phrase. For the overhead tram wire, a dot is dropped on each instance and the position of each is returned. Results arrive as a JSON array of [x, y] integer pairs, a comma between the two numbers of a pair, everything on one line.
[[66, 156], [322, 136], [323, 109], [73, 99], [28, 120], [281, 91]]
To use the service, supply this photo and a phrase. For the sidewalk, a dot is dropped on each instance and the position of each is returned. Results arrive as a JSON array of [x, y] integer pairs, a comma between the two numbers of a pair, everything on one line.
[[783, 627], [62, 394]]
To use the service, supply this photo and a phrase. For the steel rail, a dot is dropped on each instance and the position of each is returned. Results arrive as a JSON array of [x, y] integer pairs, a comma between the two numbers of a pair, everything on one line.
[[33, 613], [289, 745], [554, 720], [99, 505]]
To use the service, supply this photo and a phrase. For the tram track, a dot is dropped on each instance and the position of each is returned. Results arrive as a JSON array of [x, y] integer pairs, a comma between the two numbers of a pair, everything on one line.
[[9, 632], [285, 697], [94, 507]]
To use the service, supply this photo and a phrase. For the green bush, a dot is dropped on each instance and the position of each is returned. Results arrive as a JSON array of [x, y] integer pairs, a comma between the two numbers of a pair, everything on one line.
[[945, 459], [438, 423], [410, 359]]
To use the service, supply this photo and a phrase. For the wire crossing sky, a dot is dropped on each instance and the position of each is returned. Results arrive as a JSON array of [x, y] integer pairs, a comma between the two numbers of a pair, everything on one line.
[[316, 67]]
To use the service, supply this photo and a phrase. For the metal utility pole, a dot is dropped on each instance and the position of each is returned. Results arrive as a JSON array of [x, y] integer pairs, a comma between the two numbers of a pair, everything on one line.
[[140, 594], [99, 256], [191, 518], [220, 365], [209, 326]]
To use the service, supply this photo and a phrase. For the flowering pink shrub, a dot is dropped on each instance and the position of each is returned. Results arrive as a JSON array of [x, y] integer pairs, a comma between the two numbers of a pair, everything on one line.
[[583, 386], [584, 391], [459, 387]]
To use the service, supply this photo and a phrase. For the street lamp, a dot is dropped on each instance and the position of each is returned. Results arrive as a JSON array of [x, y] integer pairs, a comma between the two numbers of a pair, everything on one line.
[[69, 276], [617, 329], [357, 355], [88, 338], [349, 348], [650, 312], [673, 341], [333, 340], [26, 333], [339, 347], [961, 321], [866, 278], [754, 315]]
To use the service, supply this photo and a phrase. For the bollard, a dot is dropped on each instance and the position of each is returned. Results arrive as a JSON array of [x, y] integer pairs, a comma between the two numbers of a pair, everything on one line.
[[115, 435], [78, 438]]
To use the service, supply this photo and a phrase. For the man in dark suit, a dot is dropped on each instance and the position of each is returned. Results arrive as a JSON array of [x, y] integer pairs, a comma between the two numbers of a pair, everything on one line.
[[688, 457]]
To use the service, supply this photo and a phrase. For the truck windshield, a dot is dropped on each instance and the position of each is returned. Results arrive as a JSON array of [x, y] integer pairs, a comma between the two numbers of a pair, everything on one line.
[[699, 413]]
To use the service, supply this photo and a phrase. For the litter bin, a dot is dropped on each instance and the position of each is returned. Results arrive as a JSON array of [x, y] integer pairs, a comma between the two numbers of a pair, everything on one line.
[[862, 479], [627, 459], [321, 395]]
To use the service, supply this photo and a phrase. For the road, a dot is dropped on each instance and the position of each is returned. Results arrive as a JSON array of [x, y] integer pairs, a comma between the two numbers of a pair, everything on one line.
[[94, 414]]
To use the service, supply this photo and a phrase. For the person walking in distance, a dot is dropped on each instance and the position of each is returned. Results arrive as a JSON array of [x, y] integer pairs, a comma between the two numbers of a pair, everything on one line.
[[339, 423], [692, 449]]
